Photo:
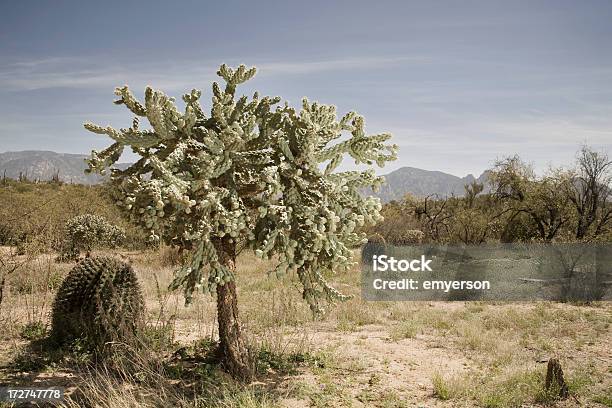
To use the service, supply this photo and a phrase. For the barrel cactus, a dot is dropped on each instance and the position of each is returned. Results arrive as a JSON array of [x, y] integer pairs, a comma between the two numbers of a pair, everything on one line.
[[99, 301]]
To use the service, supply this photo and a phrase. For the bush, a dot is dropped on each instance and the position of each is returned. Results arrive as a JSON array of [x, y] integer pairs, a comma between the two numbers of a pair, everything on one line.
[[88, 231]]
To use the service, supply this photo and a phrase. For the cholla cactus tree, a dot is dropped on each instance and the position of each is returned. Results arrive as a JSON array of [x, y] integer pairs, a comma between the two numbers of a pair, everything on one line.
[[252, 174], [88, 231]]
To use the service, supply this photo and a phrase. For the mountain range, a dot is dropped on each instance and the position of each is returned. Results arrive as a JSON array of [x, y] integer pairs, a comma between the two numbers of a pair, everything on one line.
[[422, 183], [43, 165]]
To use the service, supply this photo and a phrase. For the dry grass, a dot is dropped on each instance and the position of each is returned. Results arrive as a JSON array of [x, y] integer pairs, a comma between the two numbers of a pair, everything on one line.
[[359, 354]]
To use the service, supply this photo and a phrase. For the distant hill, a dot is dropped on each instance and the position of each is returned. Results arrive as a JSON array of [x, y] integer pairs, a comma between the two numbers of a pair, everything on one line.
[[422, 183], [43, 165]]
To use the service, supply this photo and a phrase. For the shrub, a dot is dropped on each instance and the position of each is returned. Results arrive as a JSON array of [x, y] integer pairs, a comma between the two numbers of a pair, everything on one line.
[[88, 231]]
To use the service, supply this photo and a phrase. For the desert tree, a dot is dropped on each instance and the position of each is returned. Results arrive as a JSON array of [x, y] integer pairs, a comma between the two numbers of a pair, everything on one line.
[[436, 215], [253, 173], [510, 178], [520, 192], [471, 192], [470, 226], [589, 188], [550, 209]]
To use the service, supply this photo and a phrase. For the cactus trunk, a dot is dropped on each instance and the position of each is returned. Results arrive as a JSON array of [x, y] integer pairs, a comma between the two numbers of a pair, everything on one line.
[[233, 348]]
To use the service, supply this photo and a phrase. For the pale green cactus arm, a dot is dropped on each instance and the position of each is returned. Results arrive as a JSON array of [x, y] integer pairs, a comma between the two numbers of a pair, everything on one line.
[[129, 100], [99, 162], [131, 137], [252, 172]]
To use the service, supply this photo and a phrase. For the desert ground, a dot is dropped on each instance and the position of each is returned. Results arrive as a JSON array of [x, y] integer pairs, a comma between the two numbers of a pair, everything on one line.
[[358, 354]]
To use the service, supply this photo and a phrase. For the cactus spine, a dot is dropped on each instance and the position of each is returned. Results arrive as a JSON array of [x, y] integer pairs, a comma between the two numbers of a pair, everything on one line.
[[99, 301]]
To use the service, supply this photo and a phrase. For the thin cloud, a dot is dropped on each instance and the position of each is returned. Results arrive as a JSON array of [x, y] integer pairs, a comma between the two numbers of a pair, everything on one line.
[[309, 67], [71, 72]]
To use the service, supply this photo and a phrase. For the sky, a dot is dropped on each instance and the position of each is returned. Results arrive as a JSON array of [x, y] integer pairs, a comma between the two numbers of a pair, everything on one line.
[[459, 84]]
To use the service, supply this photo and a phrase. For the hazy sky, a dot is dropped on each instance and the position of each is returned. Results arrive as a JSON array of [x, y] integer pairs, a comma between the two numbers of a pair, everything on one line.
[[458, 83]]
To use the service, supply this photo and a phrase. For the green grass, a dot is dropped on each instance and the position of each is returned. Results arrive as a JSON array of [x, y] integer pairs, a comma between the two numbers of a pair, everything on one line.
[[404, 330], [33, 330], [603, 399], [446, 388]]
